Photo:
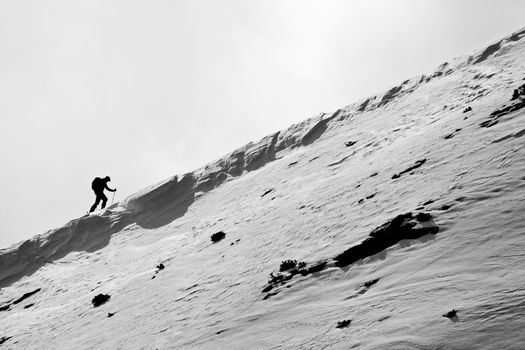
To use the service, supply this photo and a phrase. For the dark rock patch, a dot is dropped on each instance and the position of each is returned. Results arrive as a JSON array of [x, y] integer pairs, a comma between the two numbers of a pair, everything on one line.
[[292, 163], [416, 165], [290, 264], [267, 192], [219, 236], [374, 174], [367, 197], [100, 299], [311, 160], [159, 267], [430, 201], [370, 283], [343, 324], [111, 314], [28, 306], [26, 295], [452, 134], [518, 102], [468, 109], [452, 314], [519, 92], [404, 226], [364, 288], [350, 143], [4, 339], [236, 241], [5, 307], [446, 207]]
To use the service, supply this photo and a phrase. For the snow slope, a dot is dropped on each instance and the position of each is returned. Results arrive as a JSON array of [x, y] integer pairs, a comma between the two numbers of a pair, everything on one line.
[[330, 193]]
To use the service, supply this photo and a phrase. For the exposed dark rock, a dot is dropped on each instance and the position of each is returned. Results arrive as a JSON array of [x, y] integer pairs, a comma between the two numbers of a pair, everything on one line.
[[446, 207], [452, 134], [160, 267], [451, 314], [370, 283], [518, 97], [5, 307], [4, 339], [219, 236], [405, 226], [100, 299], [468, 109], [28, 306], [374, 174], [292, 163], [268, 191], [415, 166], [343, 324], [350, 143], [236, 241], [519, 92], [287, 265], [110, 314], [26, 295]]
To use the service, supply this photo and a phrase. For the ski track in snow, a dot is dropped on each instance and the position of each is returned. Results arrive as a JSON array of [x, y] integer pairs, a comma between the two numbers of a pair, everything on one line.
[[307, 193]]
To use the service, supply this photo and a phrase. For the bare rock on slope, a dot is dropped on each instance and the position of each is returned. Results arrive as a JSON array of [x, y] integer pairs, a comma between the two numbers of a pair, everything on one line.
[[404, 226]]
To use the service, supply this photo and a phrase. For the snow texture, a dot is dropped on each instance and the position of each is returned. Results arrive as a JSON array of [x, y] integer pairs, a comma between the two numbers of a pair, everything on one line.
[[396, 222]]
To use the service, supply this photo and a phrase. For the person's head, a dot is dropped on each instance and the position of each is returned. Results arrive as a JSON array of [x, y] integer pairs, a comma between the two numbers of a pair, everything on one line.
[[107, 178]]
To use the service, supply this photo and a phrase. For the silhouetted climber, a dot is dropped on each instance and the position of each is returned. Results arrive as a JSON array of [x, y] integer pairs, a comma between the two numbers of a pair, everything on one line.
[[99, 185]]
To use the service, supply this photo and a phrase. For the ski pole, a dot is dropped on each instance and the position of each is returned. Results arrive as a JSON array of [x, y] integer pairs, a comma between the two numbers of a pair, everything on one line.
[[113, 198]]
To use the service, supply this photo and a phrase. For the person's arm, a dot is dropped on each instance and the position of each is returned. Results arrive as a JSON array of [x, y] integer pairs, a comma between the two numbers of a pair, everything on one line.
[[109, 189]]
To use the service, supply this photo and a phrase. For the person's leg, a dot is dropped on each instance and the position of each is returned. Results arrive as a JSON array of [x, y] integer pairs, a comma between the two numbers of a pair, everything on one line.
[[97, 200], [104, 200]]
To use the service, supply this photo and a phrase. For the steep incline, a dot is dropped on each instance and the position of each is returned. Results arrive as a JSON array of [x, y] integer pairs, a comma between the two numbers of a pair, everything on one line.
[[357, 228]]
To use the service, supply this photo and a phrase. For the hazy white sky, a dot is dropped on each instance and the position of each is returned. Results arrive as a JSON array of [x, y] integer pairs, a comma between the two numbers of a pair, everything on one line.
[[142, 90]]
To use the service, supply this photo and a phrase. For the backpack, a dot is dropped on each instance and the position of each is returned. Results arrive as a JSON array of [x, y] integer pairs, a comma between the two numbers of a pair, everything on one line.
[[96, 184]]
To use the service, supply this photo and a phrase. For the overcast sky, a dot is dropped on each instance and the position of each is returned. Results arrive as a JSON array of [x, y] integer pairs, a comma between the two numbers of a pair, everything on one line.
[[142, 90]]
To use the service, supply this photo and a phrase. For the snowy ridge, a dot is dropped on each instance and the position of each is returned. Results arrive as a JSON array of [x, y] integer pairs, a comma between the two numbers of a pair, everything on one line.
[[159, 204], [354, 229]]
